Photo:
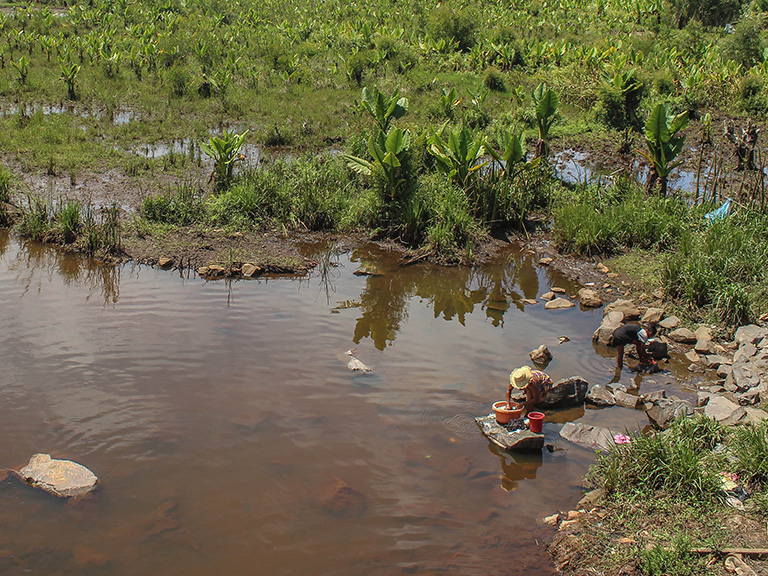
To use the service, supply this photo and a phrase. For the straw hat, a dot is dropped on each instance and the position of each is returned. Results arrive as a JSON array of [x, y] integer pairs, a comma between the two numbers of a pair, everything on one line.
[[521, 377]]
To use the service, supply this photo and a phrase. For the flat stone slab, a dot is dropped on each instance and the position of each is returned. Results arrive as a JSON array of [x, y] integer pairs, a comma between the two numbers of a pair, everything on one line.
[[515, 441], [62, 478], [592, 437]]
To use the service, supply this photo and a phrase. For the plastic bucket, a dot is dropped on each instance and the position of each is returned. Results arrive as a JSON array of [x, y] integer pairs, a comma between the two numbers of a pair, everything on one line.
[[535, 422]]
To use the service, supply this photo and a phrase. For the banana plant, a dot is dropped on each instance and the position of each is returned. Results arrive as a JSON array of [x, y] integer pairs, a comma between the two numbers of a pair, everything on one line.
[[460, 156], [225, 151], [449, 101], [664, 144], [384, 109], [388, 152], [513, 152], [546, 102], [22, 67], [69, 72]]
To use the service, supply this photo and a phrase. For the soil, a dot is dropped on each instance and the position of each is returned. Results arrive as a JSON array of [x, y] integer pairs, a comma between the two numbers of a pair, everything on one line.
[[609, 537]]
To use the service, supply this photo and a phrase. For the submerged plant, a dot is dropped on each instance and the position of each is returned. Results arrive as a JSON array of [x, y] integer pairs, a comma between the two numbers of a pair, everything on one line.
[[224, 151]]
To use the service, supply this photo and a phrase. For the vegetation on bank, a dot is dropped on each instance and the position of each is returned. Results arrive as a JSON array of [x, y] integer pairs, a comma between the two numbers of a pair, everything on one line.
[[429, 125], [666, 497]]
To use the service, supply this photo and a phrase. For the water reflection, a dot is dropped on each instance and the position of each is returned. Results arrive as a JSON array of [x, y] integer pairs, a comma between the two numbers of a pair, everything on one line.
[[36, 264], [451, 293], [516, 467]]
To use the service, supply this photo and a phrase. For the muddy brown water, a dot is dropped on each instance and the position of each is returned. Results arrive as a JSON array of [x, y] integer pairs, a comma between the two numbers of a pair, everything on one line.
[[218, 414]]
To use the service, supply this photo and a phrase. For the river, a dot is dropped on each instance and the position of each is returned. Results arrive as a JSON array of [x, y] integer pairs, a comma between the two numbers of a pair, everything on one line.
[[219, 416]]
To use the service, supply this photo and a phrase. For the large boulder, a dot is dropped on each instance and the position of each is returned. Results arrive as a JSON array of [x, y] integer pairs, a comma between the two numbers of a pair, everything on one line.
[[62, 478], [751, 333], [566, 392], [683, 335], [604, 333], [652, 315], [628, 308], [559, 303], [663, 411], [724, 411], [600, 396], [670, 323]]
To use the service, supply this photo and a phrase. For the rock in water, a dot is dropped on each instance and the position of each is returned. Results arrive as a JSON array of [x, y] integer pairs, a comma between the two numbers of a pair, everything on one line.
[[62, 478], [541, 355]]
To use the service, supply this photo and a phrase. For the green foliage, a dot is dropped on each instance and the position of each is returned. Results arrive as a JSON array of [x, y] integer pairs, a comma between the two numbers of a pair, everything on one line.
[[546, 103], [439, 213], [69, 72], [67, 219], [718, 268], [745, 46], [751, 94], [708, 12], [224, 151], [598, 220], [388, 152], [22, 67], [6, 178], [494, 81], [457, 28], [620, 95], [182, 205], [664, 144], [35, 222], [672, 462], [459, 156], [674, 560], [383, 109], [750, 448]]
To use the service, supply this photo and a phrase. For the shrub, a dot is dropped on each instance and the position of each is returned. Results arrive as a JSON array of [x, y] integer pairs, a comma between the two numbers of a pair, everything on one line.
[[358, 64], [751, 94], [708, 12], [745, 46], [494, 81], [455, 27]]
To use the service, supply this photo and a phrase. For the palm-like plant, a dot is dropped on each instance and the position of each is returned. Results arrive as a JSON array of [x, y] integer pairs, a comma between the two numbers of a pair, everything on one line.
[[460, 156], [512, 152], [546, 102], [384, 109], [225, 151], [388, 152], [69, 72], [22, 67], [664, 144]]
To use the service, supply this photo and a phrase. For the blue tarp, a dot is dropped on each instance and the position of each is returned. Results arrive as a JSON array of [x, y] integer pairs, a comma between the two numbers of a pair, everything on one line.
[[719, 213]]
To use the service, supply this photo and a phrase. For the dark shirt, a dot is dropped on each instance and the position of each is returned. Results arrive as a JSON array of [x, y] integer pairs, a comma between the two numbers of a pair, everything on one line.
[[629, 333]]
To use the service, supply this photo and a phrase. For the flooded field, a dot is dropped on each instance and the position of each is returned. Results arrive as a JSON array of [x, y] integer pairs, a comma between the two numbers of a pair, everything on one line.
[[221, 417]]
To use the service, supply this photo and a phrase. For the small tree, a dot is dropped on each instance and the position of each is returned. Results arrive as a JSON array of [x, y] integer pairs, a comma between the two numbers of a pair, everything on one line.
[[664, 145]]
